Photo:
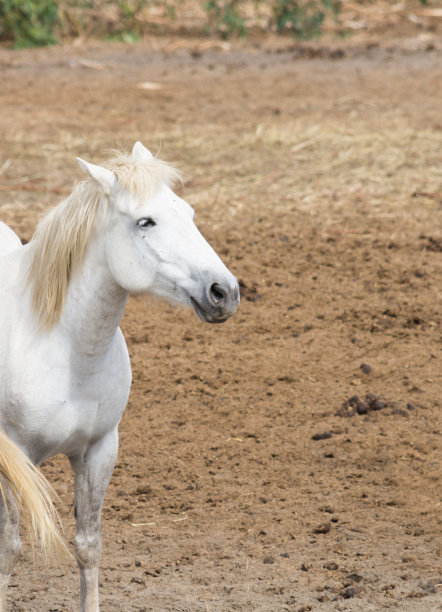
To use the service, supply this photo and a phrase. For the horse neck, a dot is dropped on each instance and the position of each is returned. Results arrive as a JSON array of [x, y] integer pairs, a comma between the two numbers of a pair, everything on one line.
[[94, 306]]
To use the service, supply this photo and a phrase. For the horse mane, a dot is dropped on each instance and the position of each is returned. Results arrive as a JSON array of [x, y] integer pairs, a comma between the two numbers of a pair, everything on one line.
[[61, 237]]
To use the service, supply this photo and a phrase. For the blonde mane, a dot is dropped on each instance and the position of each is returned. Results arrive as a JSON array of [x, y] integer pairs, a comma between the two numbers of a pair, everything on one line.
[[61, 237]]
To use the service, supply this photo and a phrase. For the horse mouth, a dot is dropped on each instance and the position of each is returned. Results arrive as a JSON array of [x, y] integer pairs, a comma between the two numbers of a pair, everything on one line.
[[206, 316]]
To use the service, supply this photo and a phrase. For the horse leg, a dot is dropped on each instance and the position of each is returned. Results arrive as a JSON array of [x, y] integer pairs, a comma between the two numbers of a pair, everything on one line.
[[9, 546], [92, 472]]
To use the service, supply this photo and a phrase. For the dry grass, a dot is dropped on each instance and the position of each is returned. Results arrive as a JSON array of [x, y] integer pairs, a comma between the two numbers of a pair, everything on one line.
[[326, 170], [332, 158]]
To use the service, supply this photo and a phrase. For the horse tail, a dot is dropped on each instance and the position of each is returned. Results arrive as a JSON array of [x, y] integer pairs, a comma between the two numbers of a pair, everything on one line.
[[22, 484]]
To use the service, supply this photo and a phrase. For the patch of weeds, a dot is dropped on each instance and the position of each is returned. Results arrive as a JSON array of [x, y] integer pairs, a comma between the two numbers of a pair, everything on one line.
[[130, 30], [304, 18], [28, 23], [225, 17]]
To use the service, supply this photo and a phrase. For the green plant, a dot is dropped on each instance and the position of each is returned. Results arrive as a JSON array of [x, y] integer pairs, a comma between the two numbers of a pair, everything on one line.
[[304, 18], [225, 17], [28, 23], [130, 25]]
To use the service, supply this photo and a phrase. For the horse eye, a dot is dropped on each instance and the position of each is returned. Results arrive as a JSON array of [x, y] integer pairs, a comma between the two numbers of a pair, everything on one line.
[[146, 222]]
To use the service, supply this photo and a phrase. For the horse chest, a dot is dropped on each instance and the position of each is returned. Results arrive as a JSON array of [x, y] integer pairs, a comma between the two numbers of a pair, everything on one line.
[[64, 412]]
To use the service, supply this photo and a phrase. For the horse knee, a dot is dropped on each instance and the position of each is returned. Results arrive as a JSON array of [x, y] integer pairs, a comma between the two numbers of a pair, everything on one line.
[[88, 550], [15, 548], [10, 547]]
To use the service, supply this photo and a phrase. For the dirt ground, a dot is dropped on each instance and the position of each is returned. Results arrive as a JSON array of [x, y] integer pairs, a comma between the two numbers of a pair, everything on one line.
[[289, 459]]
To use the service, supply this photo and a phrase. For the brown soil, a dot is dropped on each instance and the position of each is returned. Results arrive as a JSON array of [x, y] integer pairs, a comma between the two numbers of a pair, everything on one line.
[[249, 477]]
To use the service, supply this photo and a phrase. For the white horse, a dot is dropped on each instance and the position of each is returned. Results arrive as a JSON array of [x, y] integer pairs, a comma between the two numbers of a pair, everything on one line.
[[64, 367]]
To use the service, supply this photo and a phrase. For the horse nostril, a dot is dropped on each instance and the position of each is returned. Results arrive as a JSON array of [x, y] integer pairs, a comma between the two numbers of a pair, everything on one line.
[[217, 294]]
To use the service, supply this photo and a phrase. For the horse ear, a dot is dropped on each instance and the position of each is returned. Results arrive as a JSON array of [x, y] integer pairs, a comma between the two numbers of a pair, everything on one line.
[[140, 153], [106, 178]]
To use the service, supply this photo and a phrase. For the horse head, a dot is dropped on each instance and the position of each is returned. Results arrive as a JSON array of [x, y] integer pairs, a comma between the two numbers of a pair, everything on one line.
[[151, 241]]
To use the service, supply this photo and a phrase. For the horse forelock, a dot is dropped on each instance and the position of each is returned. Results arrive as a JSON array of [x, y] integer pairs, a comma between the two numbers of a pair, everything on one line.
[[143, 179], [62, 235]]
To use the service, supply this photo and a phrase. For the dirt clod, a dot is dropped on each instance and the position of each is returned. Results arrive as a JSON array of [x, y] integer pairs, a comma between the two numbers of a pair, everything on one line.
[[348, 593], [322, 528], [324, 435], [331, 565]]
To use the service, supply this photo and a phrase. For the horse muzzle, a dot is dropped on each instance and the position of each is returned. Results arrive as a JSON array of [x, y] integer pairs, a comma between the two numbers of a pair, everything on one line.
[[218, 303]]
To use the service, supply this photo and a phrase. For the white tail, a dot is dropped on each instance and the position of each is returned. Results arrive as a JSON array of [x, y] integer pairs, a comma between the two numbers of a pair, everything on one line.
[[22, 482]]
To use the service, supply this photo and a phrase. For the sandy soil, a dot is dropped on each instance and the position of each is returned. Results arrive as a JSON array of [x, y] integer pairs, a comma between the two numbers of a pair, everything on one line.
[[250, 477]]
